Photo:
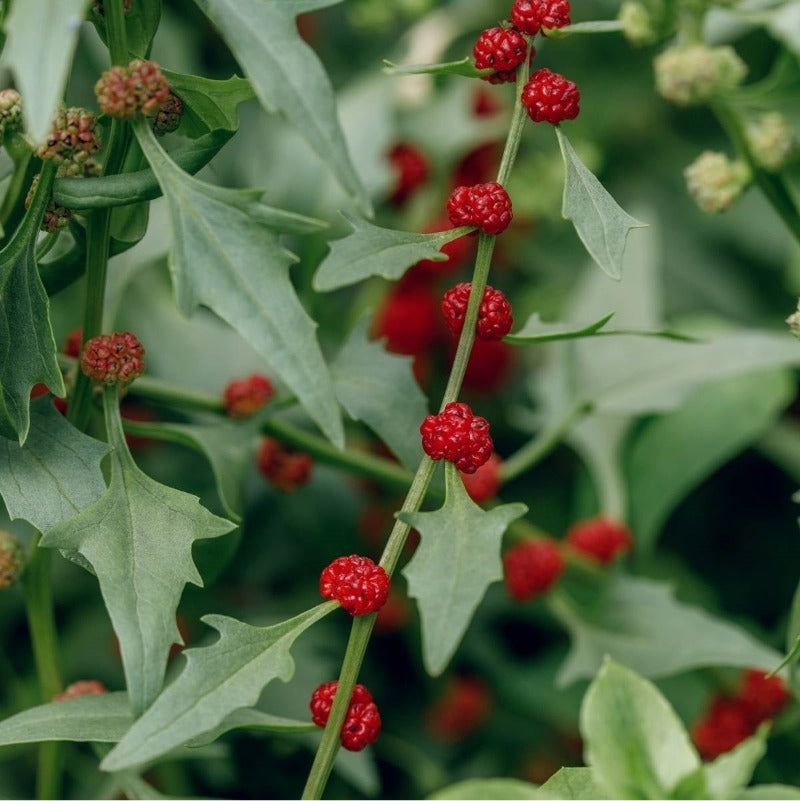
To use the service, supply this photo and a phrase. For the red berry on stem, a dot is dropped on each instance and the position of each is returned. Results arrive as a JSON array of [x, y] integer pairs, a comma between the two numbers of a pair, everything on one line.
[[550, 97], [465, 705], [408, 319], [532, 568], [283, 469], [411, 171], [245, 396], [764, 697], [725, 724], [529, 16], [600, 539], [356, 582], [482, 485], [113, 358], [457, 435], [494, 314], [500, 49], [361, 726], [322, 700], [486, 206]]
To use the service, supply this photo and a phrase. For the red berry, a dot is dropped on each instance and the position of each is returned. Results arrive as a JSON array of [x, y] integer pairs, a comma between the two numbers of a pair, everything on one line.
[[484, 103], [78, 688], [72, 344], [356, 582], [489, 366], [246, 396], [532, 568], [465, 705], [482, 485], [139, 88], [283, 469], [494, 314], [764, 697], [500, 49], [600, 538], [322, 700], [726, 724], [113, 358], [408, 319], [487, 206], [550, 97], [411, 171], [529, 16], [361, 726], [457, 435]]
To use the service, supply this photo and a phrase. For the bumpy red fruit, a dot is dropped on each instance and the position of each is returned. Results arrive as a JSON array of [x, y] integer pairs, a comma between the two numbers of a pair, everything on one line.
[[529, 16], [113, 358], [489, 367], [764, 697], [482, 485], [408, 319], [361, 726], [246, 396], [411, 170], [500, 49], [487, 206], [600, 538], [139, 88], [283, 469], [78, 688], [72, 344], [73, 139], [550, 97], [465, 705], [356, 582], [532, 568], [726, 724], [322, 700], [494, 314], [457, 435]]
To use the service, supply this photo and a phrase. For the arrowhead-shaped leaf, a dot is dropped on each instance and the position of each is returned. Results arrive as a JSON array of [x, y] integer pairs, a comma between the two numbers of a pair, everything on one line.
[[601, 224], [226, 256], [378, 388], [458, 558], [27, 347], [217, 680], [372, 250], [55, 474], [287, 75], [138, 539]]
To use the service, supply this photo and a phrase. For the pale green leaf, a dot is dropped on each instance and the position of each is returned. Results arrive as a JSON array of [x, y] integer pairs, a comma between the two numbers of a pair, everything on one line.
[[729, 773], [599, 221], [217, 680], [287, 76], [379, 388], [571, 783], [40, 55], [793, 643], [478, 789], [465, 66], [372, 250], [55, 474], [770, 791], [88, 718], [639, 622], [634, 742], [457, 559], [594, 26], [225, 256], [256, 721]]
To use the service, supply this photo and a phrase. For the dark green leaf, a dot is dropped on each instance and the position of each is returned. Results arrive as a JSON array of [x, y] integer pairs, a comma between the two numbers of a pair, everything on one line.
[[465, 66], [489, 788], [730, 773], [141, 24], [371, 250], [571, 783], [379, 389], [458, 558], [287, 75], [217, 680]]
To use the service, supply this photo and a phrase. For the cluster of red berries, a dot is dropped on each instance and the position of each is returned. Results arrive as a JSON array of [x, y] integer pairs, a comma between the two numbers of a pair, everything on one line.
[[457, 435], [356, 582], [73, 139], [126, 92], [501, 50], [533, 568], [362, 723], [730, 719], [78, 688], [113, 358], [486, 206], [494, 313], [529, 16], [245, 396], [463, 708], [284, 469]]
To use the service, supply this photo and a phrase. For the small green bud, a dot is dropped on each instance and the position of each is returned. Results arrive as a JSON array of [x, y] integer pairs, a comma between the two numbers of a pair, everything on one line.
[[12, 559], [691, 75], [10, 112], [715, 182], [638, 25], [772, 141]]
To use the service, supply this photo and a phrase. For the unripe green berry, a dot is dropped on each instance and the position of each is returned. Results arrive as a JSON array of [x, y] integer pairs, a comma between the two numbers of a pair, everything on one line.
[[715, 182], [10, 112], [772, 141], [12, 559], [691, 75]]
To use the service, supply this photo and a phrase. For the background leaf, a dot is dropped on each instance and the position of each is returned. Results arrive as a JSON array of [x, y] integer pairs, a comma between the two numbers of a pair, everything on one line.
[[571, 783], [489, 788], [729, 773], [464, 66]]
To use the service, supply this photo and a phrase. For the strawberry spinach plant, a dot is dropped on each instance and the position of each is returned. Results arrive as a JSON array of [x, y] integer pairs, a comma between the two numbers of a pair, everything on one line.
[[358, 381]]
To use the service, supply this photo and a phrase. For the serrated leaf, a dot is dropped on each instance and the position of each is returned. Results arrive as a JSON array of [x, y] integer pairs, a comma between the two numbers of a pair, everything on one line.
[[465, 66], [138, 539], [593, 26], [635, 744], [40, 55], [571, 783], [89, 718], [217, 680], [599, 221], [225, 256], [287, 76], [55, 474], [379, 388], [27, 347], [729, 773], [489, 788], [639, 623], [457, 559], [372, 250], [208, 105]]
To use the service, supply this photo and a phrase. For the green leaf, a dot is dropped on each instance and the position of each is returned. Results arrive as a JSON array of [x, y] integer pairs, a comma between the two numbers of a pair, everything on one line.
[[595, 26], [571, 783], [208, 105], [55, 474], [535, 330], [372, 250], [673, 453], [729, 773], [226, 256], [634, 742], [287, 76], [458, 558], [217, 680], [465, 66], [27, 347], [89, 718], [40, 55], [770, 791], [639, 622], [254, 720], [138, 539], [141, 24], [477, 789], [793, 643], [379, 389], [599, 221]]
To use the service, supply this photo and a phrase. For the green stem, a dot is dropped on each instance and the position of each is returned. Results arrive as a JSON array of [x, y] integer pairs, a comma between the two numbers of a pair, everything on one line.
[[115, 30], [12, 208], [46, 245]]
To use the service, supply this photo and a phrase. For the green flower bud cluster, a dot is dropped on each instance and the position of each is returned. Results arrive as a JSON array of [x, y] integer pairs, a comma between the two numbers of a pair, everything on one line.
[[692, 75], [715, 182]]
